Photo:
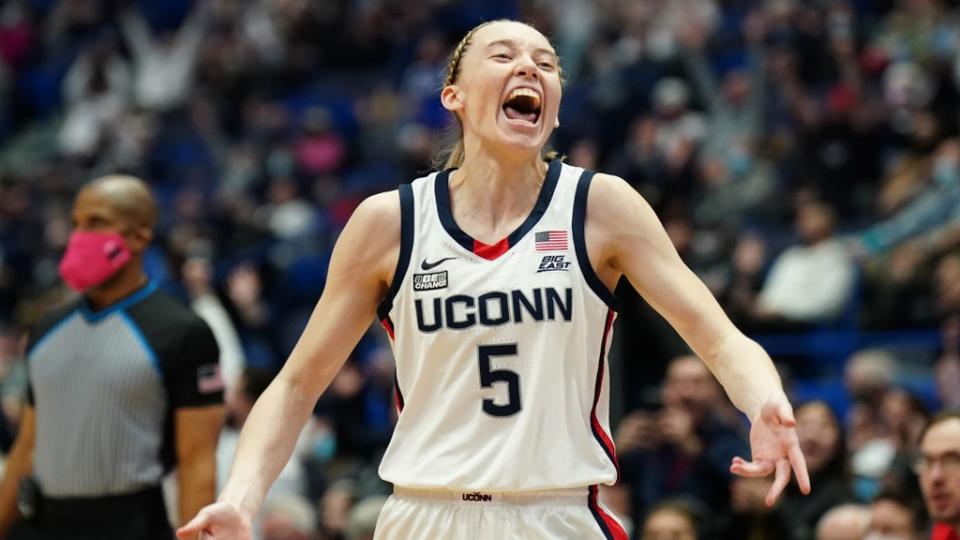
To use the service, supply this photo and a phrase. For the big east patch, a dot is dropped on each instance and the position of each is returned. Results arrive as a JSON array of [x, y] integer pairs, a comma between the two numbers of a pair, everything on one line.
[[553, 263]]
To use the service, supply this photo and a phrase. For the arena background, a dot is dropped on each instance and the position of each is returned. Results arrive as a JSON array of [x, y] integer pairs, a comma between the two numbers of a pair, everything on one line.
[[803, 156]]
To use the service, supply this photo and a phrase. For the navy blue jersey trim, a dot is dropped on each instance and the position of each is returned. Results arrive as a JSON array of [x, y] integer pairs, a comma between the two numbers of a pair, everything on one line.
[[580, 242], [406, 248], [441, 186], [95, 316], [603, 439], [595, 510], [396, 388]]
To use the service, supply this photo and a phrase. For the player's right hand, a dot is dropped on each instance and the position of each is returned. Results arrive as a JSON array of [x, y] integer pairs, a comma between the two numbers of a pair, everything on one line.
[[218, 521]]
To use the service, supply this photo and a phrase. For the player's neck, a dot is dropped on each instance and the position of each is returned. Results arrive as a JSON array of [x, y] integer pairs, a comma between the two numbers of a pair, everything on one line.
[[495, 188]]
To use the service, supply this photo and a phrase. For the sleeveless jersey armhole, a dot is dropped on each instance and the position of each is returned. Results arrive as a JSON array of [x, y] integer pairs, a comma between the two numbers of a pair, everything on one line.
[[580, 242], [406, 248]]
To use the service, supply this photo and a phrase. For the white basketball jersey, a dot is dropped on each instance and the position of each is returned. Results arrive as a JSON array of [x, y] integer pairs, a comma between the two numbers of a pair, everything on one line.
[[501, 349]]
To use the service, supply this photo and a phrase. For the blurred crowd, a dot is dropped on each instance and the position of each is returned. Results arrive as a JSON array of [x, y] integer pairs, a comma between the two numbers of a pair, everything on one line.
[[803, 156]]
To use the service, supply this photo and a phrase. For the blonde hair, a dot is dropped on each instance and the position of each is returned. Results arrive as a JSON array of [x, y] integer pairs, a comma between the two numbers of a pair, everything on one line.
[[451, 152]]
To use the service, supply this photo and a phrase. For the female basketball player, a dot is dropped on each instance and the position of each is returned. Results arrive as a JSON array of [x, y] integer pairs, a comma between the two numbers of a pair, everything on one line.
[[493, 281]]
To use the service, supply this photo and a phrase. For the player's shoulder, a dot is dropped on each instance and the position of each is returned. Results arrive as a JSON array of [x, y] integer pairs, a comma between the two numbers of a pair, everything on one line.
[[387, 206], [382, 217], [613, 194], [380, 211], [606, 184], [373, 237]]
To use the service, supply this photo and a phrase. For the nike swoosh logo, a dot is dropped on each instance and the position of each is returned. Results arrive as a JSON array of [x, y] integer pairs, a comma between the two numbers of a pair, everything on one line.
[[430, 265]]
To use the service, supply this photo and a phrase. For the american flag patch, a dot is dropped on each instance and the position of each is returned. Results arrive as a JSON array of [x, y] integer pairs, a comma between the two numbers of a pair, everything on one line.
[[551, 241], [209, 379]]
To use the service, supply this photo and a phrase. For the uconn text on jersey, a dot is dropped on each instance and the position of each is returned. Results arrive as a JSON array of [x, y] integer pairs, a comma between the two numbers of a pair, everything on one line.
[[495, 308]]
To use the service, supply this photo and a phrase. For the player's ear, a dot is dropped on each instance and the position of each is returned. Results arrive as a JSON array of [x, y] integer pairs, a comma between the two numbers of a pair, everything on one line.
[[451, 98]]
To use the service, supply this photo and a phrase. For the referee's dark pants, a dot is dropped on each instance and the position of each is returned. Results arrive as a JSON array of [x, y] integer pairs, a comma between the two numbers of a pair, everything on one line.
[[140, 515]]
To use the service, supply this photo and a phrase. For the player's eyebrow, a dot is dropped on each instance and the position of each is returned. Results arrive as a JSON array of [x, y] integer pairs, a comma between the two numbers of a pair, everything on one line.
[[513, 44]]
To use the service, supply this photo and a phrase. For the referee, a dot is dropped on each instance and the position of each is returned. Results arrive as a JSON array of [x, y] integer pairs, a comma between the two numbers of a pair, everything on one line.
[[124, 383]]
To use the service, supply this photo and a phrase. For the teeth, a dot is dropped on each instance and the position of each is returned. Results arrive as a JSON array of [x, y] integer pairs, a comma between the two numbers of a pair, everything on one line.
[[527, 93]]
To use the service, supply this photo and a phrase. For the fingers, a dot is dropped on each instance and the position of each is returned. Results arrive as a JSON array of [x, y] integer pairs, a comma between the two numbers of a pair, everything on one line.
[[799, 464], [780, 481], [192, 530], [751, 469]]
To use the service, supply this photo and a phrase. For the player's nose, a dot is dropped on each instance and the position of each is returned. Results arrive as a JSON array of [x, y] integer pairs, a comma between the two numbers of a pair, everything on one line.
[[526, 66]]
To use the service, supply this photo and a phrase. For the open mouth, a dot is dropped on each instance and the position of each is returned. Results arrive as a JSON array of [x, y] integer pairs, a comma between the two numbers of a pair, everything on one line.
[[522, 104]]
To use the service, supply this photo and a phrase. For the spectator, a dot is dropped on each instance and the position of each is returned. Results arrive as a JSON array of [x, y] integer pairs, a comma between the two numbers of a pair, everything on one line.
[[288, 517], [846, 522], [96, 90], [936, 205], [904, 417], [939, 469], [947, 376], [813, 282], [163, 68], [822, 441], [683, 450], [796, 516], [894, 515], [868, 375], [736, 178], [363, 518], [679, 129], [735, 107], [670, 521], [197, 276], [252, 383], [13, 386], [335, 509], [948, 284]]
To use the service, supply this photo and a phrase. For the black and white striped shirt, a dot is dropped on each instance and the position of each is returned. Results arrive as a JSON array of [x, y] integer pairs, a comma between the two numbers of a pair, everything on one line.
[[105, 386]]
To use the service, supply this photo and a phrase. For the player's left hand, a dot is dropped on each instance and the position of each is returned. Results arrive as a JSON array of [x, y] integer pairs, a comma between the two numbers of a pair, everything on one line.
[[775, 449]]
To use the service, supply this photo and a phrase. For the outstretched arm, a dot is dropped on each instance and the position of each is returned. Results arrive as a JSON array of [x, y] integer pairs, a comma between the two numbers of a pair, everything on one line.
[[362, 263], [624, 237]]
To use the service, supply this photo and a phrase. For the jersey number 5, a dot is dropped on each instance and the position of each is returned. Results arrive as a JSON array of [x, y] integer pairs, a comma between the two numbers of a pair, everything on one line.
[[489, 376]]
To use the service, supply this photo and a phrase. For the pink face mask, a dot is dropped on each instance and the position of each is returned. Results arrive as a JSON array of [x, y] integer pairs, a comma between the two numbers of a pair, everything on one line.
[[92, 258]]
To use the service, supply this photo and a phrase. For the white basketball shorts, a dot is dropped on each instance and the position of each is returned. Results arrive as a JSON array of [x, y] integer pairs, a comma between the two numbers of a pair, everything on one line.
[[414, 514]]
